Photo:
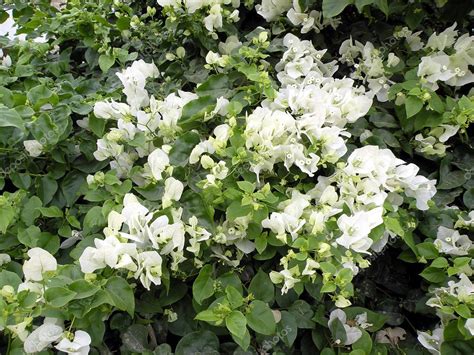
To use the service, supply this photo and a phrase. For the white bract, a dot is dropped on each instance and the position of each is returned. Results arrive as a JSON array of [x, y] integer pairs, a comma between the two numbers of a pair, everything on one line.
[[353, 333], [79, 345], [33, 147], [356, 228], [40, 262], [42, 337], [450, 241], [432, 342]]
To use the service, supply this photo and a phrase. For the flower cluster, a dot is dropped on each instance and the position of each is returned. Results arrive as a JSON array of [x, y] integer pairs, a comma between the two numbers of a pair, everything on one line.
[[139, 120], [364, 187], [254, 165], [372, 66], [135, 241], [37, 271], [298, 14], [215, 12], [51, 331], [448, 59]]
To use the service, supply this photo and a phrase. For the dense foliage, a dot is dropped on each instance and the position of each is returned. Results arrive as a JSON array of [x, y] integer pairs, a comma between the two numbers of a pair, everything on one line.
[[227, 177]]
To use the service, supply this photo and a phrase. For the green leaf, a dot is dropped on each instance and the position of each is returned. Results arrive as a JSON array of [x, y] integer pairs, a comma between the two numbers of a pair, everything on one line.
[[203, 286], [135, 339], [393, 225], [40, 95], [3, 16], [427, 250], [93, 219], [468, 198], [48, 241], [413, 105], [237, 324], [463, 310], [121, 294], [83, 289], [195, 109], [46, 189], [235, 210], [9, 278], [50, 212], [436, 103], [58, 296], [383, 6], [246, 186], [303, 314], [70, 186], [328, 267], [21, 180], [30, 212], [333, 8], [6, 217], [201, 342], [10, 118], [208, 315], [105, 62], [364, 343], [244, 343], [163, 349], [182, 147], [260, 318], [234, 297], [451, 180], [360, 4], [97, 125], [440, 263], [262, 287], [433, 275], [338, 331], [287, 328], [29, 236], [216, 85]]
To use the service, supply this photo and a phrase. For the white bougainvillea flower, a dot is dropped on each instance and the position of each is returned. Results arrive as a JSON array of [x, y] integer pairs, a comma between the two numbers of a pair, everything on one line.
[[42, 337], [133, 79], [450, 241], [352, 333], [432, 342], [33, 147], [92, 259], [158, 161], [111, 110], [285, 276], [362, 320], [80, 345], [214, 19], [108, 252], [173, 191], [4, 259], [356, 228], [19, 330], [444, 39], [149, 271], [173, 3], [271, 9], [310, 268], [115, 221], [171, 238], [289, 221], [469, 325], [390, 336], [40, 261]]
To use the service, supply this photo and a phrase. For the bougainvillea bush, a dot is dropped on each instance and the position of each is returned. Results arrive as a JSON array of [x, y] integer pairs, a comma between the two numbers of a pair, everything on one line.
[[227, 177]]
